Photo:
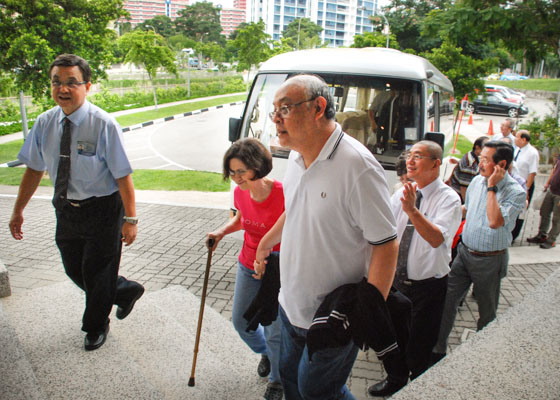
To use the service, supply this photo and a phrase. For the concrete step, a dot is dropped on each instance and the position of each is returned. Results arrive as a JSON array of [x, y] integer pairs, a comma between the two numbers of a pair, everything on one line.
[[17, 379], [146, 356], [47, 324], [160, 334]]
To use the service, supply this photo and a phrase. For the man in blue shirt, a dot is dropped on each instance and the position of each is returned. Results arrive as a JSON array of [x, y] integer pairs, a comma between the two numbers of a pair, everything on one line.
[[493, 202], [81, 147]]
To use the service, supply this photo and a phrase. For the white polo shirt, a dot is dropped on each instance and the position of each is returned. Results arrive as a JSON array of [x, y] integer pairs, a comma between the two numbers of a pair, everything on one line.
[[527, 161], [441, 205], [335, 210]]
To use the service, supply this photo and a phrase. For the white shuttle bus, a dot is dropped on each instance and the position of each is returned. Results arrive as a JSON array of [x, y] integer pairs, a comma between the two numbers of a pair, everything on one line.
[[386, 99]]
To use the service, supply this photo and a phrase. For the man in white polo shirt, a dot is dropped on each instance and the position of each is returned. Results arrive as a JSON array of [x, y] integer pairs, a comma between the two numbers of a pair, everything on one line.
[[338, 227]]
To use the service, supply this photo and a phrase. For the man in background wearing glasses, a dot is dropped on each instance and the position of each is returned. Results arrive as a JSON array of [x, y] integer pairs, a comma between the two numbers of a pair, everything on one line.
[[428, 213], [493, 202], [337, 228], [81, 147]]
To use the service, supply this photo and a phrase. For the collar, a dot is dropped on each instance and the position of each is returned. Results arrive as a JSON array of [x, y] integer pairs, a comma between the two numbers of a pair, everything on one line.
[[329, 148], [430, 188], [77, 116], [506, 179]]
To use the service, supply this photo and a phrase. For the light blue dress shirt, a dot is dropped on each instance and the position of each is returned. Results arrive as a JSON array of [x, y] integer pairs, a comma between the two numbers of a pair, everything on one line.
[[97, 155], [477, 234]]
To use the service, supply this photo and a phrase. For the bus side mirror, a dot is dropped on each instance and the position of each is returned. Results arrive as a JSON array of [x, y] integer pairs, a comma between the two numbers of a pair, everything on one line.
[[437, 137], [234, 127]]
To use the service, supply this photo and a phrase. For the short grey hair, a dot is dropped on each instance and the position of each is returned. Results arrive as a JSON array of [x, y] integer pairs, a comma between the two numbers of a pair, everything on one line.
[[315, 86], [434, 149]]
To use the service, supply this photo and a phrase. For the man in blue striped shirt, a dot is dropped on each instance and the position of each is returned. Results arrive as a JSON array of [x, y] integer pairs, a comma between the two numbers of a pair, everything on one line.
[[493, 202]]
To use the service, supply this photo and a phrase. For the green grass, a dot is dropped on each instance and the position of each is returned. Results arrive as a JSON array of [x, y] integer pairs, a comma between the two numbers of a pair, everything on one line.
[[464, 145], [550, 85], [12, 177], [9, 151], [162, 112], [151, 179]]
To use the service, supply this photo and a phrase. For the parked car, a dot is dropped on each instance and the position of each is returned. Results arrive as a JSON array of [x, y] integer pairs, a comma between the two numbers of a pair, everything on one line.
[[513, 77], [495, 103], [507, 93], [493, 77]]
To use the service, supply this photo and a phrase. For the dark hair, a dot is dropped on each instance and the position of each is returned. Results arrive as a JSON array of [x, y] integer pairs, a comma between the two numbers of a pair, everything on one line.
[[400, 165], [479, 142], [71, 60], [504, 151], [252, 153], [525, 135], [314, 87]]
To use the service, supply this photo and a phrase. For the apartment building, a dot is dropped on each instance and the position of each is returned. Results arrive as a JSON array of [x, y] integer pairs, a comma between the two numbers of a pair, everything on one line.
[[230, 18], [341, 20], [141, 10]]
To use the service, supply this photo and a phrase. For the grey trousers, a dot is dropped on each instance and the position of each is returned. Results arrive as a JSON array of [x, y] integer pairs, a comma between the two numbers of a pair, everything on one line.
[[550, 206], [485, 273]]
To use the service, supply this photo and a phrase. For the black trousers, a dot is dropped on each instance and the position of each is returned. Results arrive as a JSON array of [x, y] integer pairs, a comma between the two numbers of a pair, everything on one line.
[[89, 240], [428, 299]]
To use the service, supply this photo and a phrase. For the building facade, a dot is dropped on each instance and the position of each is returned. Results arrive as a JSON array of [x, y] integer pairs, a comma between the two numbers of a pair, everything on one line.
[[230, 18], [341, 20], [141, 10]]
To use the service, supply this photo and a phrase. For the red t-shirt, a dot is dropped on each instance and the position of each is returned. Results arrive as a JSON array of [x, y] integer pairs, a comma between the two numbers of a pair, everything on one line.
[[257, 219]]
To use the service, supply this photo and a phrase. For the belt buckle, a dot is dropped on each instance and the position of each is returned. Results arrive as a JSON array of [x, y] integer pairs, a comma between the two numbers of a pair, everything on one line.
[[76, 205], [407, 282]]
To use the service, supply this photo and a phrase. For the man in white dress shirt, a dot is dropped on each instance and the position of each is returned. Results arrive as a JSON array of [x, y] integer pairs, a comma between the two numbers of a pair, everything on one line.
[[423, 262]]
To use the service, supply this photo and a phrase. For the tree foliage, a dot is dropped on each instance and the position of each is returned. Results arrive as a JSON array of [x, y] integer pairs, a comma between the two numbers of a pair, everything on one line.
[[405, 20], [162, 24], [463, 71], [302, 33], [201, 22], [252, 45], [148, 50], [374, 39], [34, 32]]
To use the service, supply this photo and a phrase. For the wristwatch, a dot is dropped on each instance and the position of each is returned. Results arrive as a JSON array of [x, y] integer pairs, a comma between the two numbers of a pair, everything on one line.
[[131, 220], [493, 189]]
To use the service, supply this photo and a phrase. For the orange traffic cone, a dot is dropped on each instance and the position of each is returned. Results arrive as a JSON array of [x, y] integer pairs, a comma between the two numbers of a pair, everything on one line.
[[470, 119], [432, 126], [490, 129]]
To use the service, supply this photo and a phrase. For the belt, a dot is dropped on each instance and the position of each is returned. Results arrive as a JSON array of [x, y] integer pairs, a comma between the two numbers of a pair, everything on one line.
[[485, 253], [81, 203], [412, 282], [85, 202]]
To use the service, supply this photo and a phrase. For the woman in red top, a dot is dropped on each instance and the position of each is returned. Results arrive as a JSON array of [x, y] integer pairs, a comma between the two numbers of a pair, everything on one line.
[[259, 201]]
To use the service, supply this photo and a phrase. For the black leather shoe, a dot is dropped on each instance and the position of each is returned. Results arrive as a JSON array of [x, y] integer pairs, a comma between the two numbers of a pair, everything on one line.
[[385, 388], [537, 239], [264, 366], [95, 340], [122, 312]]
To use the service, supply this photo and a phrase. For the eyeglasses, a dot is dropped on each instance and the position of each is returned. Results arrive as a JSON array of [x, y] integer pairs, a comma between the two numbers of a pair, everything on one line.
[[69, 84], [285, 110], [417, 157], [239, 172]]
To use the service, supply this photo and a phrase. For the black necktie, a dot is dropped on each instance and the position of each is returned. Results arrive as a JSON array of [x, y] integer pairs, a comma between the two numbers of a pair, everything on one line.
[[401, 273], [63, 172]]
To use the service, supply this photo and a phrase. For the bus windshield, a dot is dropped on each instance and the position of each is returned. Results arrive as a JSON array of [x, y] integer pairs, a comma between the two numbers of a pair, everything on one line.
[[383, 114]]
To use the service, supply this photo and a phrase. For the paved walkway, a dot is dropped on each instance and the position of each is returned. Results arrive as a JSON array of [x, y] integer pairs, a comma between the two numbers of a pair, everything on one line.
[[170, 250]]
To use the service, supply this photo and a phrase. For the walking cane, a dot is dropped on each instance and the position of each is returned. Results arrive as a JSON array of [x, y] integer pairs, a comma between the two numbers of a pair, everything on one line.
[[209, 244]]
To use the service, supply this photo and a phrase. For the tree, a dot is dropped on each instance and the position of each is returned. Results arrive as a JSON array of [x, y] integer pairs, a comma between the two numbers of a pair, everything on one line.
[[463, 71], [252, 45], [162, 24], [374, 39], [302, 33], [201, 22], [148, 50], [405, 19], [34, 32]]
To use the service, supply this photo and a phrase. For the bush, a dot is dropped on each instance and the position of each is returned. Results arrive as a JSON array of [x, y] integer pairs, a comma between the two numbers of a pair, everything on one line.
[[546, 132]]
